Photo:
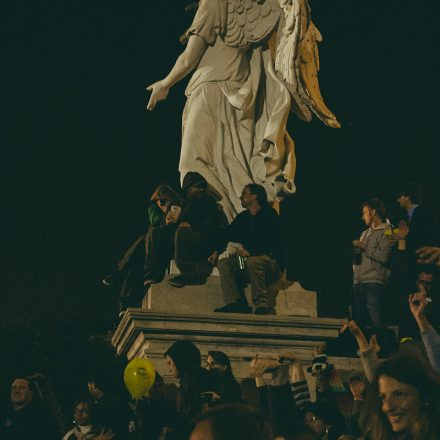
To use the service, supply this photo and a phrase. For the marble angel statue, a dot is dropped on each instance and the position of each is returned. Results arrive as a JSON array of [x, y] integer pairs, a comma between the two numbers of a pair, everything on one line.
[[253, 62]]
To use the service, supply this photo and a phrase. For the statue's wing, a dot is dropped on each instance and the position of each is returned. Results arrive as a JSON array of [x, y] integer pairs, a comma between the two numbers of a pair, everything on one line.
[[297, 61], [245, 22]]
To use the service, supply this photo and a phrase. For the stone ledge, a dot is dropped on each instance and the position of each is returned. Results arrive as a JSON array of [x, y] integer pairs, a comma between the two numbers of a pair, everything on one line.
[[230, 328], [149, 334], [287, 298]]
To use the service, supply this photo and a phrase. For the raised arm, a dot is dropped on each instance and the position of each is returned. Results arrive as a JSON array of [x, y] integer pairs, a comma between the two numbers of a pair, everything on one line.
[[367, 350], [186, 63], [431, 339]]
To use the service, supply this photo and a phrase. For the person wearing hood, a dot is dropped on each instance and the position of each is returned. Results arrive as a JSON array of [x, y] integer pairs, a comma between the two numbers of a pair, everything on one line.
[[371, 269], [146, 259], [198, 229]]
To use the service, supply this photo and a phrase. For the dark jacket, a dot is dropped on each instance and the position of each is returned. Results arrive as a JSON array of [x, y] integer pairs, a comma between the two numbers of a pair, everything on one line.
[[33, 421], [115, 414], [260, 234], [204, 214], [423, 231]]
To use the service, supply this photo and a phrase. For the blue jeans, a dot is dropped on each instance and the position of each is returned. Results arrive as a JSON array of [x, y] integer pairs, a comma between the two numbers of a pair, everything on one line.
[[367, 305]]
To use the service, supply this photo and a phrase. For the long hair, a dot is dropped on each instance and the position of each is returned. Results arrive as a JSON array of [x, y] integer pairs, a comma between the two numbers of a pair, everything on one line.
[[193, 378], [186, 356], [222, 359], [410, 369], [230, 388]]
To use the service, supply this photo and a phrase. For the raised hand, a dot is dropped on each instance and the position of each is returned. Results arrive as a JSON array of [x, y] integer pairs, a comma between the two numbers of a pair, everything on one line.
[[417, 304], [428, 254], [243, 253], [260, 366], [403, 230], [352, 326], [213, 258]]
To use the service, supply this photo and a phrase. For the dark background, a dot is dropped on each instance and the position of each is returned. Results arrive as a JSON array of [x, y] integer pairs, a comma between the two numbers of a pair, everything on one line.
[[81, 153]]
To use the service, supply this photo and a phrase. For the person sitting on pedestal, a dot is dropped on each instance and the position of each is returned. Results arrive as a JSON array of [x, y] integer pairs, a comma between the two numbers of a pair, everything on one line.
[[259, 262], [198, 229], [147, 258]]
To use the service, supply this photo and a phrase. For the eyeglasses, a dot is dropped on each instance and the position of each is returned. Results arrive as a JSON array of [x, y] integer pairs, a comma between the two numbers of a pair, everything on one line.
[[210, 364]]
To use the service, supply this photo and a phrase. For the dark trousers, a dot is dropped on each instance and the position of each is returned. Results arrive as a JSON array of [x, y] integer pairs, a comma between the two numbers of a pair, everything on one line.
[[260, 271], [159, 249], [192, 249], [148, 257], [367, 305]]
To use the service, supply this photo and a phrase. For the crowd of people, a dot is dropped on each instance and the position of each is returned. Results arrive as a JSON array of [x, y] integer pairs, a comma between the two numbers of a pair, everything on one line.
[[395, 396], [390, 399]]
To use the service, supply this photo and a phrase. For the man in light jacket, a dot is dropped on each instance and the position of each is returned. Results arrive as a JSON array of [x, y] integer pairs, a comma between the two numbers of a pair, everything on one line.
[[371, 273]]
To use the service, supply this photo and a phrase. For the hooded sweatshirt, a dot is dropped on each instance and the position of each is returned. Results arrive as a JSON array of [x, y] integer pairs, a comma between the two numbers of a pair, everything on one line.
[[374, 267]]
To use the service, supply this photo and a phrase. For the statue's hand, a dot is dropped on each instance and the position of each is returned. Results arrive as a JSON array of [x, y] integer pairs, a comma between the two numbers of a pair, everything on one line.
[[159, 92]]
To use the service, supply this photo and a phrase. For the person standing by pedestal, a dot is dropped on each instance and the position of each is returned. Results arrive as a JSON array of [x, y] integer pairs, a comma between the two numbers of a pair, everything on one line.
[[258, 229], [423, 229], [371, 273]]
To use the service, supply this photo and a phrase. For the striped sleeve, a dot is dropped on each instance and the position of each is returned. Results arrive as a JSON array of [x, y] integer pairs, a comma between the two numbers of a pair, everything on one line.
[[301, 393]]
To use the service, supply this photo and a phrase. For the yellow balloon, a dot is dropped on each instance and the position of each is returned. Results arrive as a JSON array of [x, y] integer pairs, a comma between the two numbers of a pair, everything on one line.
[[139, 377]]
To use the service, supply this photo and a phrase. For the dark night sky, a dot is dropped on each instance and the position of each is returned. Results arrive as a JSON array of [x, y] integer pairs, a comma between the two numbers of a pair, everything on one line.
[[80, 152]]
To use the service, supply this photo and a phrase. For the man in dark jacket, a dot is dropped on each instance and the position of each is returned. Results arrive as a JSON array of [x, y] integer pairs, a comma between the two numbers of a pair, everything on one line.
[[423, 229], [258, 229], [198, 229], [28, 417]]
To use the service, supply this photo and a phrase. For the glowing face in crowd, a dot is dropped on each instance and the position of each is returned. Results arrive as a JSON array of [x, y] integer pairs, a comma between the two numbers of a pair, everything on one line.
[[368, 215], [172, 367], [400, 403], [21, 394], [82, 414]]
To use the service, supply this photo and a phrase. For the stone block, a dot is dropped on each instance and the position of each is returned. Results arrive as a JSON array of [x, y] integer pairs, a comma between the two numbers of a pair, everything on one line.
[[286, 298]]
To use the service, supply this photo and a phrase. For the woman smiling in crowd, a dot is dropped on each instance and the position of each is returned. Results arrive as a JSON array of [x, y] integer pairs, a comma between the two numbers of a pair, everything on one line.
[[404, 401]]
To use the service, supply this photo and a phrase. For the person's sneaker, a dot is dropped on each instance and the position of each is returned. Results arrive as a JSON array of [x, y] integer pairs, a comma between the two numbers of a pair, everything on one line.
[[112, 279], [262, 310], [182, 281], [234, 308]]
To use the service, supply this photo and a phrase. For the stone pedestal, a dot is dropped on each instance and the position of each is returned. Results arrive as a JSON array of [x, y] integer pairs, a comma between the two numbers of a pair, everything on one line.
[[169, 314], [287, 297], [148, 333]]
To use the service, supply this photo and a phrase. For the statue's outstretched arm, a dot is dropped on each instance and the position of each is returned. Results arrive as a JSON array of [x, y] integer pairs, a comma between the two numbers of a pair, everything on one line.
[[186, 63]]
